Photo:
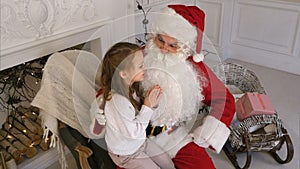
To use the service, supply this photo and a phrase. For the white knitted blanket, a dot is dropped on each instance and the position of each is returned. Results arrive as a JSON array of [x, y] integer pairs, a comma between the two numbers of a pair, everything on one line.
[[68, 89]]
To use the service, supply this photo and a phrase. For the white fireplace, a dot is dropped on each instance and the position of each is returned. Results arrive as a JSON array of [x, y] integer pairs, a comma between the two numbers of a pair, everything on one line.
[[31, 29]]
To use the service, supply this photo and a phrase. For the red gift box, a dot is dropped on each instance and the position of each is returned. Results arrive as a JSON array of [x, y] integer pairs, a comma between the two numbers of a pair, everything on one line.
[[252, 104]]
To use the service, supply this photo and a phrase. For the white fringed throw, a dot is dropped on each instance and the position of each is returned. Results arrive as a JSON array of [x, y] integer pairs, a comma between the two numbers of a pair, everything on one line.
[[67, 92]]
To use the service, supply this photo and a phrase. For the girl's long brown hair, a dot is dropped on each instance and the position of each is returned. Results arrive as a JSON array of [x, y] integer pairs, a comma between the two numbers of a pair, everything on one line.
[[116, 59]]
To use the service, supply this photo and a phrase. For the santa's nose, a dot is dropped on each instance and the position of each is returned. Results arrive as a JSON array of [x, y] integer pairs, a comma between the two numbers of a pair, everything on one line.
[[163, 48]]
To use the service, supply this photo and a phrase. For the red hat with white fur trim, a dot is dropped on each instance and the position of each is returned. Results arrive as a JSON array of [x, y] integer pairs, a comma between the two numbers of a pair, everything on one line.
[[186, 24]]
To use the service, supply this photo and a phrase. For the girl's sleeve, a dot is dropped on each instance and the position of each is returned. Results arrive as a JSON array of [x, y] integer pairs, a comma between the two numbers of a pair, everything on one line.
[[130, 124]]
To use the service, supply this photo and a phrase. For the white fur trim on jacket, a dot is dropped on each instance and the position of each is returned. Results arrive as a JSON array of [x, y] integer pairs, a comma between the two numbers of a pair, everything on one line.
[[211, 133]]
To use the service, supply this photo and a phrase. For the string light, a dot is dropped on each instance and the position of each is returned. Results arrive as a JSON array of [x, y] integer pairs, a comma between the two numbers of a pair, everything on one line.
[[15, 86]]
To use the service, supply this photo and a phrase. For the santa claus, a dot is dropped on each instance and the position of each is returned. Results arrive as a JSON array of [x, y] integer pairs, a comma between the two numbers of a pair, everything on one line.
[[174, 61]]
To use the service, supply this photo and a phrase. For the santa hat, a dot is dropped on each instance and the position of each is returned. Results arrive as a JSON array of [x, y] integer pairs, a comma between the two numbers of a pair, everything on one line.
[[186, 24]]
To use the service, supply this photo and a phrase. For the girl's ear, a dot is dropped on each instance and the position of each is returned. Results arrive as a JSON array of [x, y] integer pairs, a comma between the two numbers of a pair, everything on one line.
[[123, 74]]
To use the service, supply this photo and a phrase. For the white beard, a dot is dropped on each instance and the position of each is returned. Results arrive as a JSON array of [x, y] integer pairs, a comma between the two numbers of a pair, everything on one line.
[[179, 81]]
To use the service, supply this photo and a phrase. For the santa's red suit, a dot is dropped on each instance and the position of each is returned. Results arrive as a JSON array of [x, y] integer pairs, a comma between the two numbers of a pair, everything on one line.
[[188, 84], [222, 105], [186, 146], [216, 95]]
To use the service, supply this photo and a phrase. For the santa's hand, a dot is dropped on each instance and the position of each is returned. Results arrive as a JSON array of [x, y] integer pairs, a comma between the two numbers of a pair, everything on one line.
[[99, 116], [153, 97]]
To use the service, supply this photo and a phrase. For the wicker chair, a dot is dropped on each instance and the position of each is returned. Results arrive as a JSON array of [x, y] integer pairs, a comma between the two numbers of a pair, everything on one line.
[[239, 76], [256, 133]]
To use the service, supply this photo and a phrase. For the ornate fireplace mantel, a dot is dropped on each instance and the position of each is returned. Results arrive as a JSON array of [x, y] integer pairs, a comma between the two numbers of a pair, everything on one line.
[[34, 28]]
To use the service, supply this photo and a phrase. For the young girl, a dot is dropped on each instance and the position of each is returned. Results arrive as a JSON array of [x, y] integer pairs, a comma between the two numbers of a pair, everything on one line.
[[128, 112]]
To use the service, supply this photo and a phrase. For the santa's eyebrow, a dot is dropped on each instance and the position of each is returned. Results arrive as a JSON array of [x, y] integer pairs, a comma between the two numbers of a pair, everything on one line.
[[173, 45], [160, 38]]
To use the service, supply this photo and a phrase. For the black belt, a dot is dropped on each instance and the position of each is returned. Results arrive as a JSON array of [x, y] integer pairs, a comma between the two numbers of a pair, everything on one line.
[[155, 130]]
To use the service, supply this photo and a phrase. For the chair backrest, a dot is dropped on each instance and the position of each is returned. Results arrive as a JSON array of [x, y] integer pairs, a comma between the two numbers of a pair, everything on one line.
[[239, 76]]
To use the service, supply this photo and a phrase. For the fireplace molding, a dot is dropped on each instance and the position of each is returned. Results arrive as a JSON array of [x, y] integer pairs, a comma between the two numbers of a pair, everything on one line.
[[34, 28], [35, 49], [22, 53]]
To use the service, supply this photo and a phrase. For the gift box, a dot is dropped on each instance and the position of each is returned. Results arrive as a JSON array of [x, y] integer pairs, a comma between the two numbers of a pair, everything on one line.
[[252, 104]]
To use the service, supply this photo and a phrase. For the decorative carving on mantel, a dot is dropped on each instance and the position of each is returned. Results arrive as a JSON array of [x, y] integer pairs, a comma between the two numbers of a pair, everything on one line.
[[29, 20], [37, 15], [8, 27], [86, 8]]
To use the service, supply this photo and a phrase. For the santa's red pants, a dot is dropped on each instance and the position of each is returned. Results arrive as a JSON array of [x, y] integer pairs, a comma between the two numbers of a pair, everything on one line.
[[191, 156]]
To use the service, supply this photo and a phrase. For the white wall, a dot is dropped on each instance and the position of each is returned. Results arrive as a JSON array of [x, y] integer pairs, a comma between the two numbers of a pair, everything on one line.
[[266, 33]]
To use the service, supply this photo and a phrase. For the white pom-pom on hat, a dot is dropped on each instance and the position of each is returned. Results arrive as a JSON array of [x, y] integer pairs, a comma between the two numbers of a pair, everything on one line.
[[198, 57]]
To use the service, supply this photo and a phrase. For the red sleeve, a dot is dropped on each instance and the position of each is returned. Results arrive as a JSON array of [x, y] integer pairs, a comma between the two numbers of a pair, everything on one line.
[[216, 95], [100, 91]]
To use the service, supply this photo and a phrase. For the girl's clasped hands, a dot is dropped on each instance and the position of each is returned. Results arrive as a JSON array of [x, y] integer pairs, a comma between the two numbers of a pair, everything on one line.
[[153, 96]]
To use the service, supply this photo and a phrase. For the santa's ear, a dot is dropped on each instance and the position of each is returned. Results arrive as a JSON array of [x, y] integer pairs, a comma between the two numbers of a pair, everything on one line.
[[123, 74]]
